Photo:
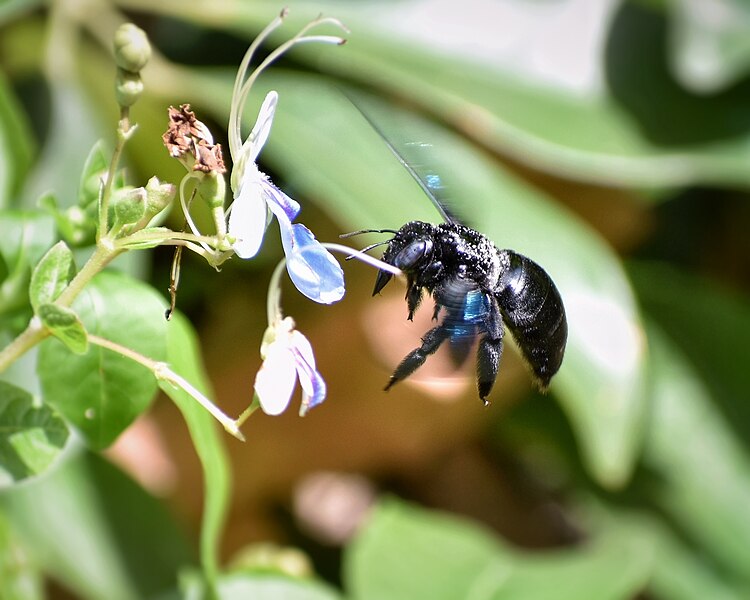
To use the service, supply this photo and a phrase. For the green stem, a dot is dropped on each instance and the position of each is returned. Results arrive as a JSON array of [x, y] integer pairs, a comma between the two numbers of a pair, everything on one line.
[[30, 337], [124, 131], [163, 372], [254, 405], [35, 332], [104, 254]]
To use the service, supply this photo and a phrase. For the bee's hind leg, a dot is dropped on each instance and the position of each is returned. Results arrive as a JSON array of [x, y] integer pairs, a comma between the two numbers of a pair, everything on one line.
[[489, 353], [430, 343]]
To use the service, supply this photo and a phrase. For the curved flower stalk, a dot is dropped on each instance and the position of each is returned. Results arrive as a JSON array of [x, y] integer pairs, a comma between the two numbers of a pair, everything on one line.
[[315, 273]]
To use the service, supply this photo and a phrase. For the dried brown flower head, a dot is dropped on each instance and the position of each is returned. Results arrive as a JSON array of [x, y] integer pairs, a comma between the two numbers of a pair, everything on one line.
[[190, 141]]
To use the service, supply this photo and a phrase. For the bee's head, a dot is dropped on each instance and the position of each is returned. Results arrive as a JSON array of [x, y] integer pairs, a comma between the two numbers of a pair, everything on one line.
[[409, 250]]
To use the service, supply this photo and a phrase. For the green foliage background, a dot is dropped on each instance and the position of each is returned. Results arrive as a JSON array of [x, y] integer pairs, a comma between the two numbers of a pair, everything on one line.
[[632, 476]]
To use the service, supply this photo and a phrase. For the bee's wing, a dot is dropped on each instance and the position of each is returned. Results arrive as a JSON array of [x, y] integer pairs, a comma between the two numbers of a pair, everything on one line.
[[414, 156]]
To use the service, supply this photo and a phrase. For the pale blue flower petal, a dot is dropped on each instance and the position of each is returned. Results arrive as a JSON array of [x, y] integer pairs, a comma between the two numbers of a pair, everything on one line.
[[312, 269], [249, 217], [313, 384]]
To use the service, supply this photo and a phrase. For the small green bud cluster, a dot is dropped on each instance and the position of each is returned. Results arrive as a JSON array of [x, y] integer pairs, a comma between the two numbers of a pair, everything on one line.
[[133, 208], [132, 51]]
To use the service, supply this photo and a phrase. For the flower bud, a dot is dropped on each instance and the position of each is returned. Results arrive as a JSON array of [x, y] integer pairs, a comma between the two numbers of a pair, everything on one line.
[[128, 87], [130, 206], [213, 189], [131, 48], [158, 196]]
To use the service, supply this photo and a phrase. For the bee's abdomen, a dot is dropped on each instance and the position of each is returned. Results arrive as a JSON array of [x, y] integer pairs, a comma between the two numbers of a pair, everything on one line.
[[533, 311]]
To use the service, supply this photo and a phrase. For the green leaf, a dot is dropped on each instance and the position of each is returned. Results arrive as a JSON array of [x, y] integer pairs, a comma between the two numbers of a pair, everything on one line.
[[405, 552], [183, 355], [679, 572], [72, 133], [704, 468], [102, 392], [31, 437], [64, 324], [19, 579], [269, 587], [16, 144], [710, 47], [596, 136], [98, 533], [51, 275], [325, 148], [94, 169], [24, 238], [711, 329]]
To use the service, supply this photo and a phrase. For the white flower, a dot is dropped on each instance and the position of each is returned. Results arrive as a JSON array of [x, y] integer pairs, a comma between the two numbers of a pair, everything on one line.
[[311, 267], [287, 357]]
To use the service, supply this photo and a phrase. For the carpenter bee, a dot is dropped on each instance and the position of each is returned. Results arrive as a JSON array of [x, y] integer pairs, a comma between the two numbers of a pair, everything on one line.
[[478, 289]]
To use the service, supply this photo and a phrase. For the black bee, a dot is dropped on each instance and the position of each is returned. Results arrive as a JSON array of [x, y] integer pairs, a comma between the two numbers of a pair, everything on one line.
[[480, 290]]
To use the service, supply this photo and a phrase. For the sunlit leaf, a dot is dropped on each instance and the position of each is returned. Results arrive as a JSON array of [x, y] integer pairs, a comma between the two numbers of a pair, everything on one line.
[[51, 275], [102, 392], [593, 137], [31, 436], [66, 326]]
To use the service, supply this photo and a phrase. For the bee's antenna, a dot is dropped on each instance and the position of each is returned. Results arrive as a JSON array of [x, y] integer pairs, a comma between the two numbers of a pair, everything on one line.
[[361, 231], [370, 247]]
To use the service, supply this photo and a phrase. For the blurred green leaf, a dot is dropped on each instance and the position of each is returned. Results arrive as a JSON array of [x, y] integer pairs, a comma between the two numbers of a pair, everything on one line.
[[590, 137], [705, 471], [269, 587], [51, 275], [19, 579], [31, 437], [94, 170], [72, 134], [405, 552], [325, 148], [183, 355], [24, 237], [679, 572], [64, 324], [710, 45], [16, 144], [711, 326], [97, 532], [102, 392]]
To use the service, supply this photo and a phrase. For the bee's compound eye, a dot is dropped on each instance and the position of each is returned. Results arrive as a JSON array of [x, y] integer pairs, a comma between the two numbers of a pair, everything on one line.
[[413, 253]]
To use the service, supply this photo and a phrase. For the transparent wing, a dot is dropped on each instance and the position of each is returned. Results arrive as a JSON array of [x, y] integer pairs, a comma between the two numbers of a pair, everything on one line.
[[414, 156]]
